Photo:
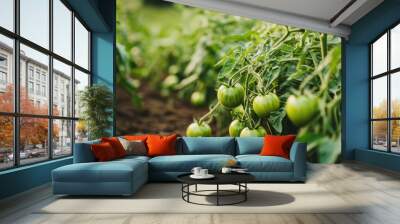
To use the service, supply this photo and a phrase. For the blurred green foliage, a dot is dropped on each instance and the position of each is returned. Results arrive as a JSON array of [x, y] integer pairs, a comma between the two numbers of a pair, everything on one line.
[[181, 50]]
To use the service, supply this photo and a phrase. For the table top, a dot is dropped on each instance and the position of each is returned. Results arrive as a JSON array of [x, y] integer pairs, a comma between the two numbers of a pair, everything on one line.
[[220, 178]]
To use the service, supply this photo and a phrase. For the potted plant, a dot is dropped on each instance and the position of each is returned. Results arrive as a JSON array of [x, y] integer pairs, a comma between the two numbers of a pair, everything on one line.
[[96, 102]]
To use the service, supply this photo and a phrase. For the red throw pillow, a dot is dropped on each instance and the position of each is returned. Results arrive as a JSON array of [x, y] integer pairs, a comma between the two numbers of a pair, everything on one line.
[[277, 145], [161, 145], [116, 145], [103, 152]]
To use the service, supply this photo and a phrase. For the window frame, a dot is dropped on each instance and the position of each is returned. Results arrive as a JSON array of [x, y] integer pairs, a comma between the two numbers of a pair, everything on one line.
[[388, 74], [16, 114]]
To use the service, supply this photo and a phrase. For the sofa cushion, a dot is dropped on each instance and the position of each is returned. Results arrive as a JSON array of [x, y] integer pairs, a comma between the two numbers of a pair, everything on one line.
[[103, 152], [257, 163], [249, 145], [206, 145], [161, 145], [116, 145], [112, 171], [277, 145], [185, 163]]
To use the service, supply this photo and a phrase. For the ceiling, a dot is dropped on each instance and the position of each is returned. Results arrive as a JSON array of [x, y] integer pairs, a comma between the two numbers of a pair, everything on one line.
[[328, 16]]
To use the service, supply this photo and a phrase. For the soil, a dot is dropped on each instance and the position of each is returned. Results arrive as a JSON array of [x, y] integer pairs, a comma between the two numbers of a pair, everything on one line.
[[158, 115]]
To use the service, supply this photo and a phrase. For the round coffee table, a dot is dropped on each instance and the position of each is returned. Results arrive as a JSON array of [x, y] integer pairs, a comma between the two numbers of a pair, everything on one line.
[[238, 179]]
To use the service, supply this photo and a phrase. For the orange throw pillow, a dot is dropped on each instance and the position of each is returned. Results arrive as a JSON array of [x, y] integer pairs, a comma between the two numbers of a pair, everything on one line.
[[103, 152], [161, 145], [116, 145], [277, 145], [135, 137]]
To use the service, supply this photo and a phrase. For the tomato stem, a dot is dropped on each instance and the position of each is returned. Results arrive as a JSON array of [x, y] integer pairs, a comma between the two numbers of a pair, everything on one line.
[[209, 114]]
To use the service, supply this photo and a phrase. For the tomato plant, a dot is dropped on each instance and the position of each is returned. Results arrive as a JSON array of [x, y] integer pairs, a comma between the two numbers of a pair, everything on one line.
[[256, 78]]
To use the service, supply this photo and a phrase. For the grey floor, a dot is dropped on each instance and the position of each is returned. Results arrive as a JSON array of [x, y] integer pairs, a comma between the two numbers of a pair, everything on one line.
[[377, 188]]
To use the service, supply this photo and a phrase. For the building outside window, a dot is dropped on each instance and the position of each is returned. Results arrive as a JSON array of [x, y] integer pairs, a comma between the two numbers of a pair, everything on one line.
[[59, 124]]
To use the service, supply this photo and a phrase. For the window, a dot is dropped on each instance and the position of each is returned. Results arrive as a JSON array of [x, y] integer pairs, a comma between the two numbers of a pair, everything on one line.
[[7, 14], [6, 73], [81, 45], [35, 21], [62, 137], [3, 61], [37, 89], [37, 74], [62, 29], [44, 91], [30, 72], [6, 142], [3, 78], [385, 94], [30, 87], [62, 74], [49, 80]]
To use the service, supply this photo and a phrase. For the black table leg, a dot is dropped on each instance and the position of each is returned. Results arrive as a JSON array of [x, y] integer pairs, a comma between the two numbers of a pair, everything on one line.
[[195, 188], [245, 193], [217, 194]]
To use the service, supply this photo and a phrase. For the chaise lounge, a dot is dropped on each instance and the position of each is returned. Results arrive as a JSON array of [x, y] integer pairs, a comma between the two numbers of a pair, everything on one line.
[[125, 176]]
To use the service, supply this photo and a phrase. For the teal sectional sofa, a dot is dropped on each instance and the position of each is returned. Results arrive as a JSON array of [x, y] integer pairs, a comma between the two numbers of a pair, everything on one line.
[[125, 176]]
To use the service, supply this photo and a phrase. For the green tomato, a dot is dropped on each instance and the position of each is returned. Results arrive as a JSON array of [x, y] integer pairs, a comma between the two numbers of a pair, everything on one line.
[[230, 96], [239, 109], [265, 104], [235, 128], [198, 98], [170, 81], [198, 130], [261, 130], [301, 109], [247, 132]]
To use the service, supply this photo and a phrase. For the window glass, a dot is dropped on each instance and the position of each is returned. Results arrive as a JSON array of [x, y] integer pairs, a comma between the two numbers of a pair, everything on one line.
[[62, 137], [62, 91], [7, 14], [81, 82], [395, 47], [379, 135], [395, 95], [34, 21], [395, 136], [39, 63], [379, 98], [62, 29], [6, 74], [81, 45], [81, 131], [379, 56], [33, 140], [6, 142]]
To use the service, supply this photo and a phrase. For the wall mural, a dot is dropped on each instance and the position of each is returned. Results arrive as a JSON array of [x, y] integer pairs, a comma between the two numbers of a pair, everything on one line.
[[201, 73]]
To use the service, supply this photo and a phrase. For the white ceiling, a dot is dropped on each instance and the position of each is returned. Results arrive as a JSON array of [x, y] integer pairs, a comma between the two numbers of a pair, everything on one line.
[[318, 15], [321, 9]]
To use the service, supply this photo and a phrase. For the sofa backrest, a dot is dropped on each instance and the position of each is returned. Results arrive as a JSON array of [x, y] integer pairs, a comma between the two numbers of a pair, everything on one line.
[[249, 145], [83, 152], [206, 145]]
